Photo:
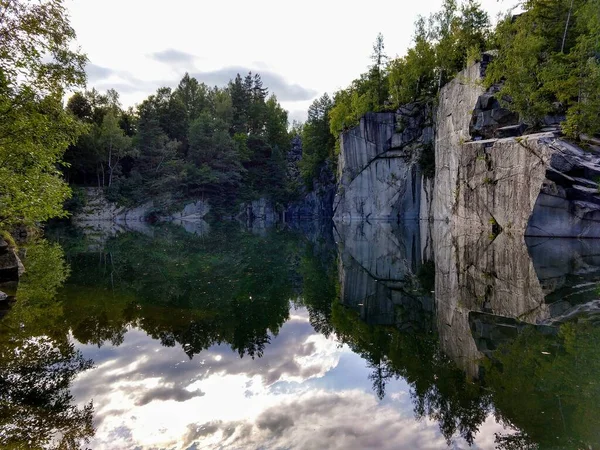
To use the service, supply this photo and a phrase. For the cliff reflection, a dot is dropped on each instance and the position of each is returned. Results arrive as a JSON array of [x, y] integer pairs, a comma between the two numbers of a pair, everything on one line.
[[387, 314], [508, 331]]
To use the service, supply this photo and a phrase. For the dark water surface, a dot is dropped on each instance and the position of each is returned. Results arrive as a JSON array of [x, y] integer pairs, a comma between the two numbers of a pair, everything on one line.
[[308, 336]]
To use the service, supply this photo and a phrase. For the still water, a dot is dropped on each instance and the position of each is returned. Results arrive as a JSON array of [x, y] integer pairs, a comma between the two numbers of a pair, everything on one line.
[[311, 336]]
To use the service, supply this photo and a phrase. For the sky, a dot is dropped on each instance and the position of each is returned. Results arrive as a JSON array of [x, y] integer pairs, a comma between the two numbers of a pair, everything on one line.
[[301, 49]]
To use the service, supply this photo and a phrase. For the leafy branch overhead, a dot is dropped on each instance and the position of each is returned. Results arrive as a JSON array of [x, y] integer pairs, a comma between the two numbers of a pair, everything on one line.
[[37, 66]]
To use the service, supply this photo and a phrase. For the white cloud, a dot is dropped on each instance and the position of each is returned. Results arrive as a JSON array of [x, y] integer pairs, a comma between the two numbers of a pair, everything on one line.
[[317, 45]]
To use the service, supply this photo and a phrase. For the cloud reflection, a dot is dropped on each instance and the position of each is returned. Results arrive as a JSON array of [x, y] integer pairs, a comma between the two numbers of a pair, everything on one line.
[[147, 396]]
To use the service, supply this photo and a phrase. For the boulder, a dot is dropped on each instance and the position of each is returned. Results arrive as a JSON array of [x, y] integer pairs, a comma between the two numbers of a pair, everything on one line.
[[10, 263], [489, 117]]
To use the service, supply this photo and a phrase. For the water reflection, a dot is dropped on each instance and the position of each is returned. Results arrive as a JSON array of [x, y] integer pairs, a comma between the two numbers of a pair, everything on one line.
[[38, 362], [517, 320], [204, 337]]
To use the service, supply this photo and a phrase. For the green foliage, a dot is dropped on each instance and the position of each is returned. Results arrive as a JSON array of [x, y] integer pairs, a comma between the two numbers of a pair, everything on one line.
[[38, 363], [563, 397], [548, 61], [230, 286], [34, 133], [317, 141], [412, 76], [222, 144], [442, 45], [76, 202], [37, 66]]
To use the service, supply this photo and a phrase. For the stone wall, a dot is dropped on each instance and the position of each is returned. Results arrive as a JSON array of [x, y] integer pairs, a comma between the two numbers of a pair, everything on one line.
[[379, 176], [456, 102]]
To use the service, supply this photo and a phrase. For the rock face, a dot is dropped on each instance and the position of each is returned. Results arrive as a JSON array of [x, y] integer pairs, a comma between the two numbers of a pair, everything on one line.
[[535, 185], [192, 211], [11, 268], [569, 202], [491, 120], [98, 209], [378, 172], [10, 263], [453, 118], [261, 210], [317, 203]]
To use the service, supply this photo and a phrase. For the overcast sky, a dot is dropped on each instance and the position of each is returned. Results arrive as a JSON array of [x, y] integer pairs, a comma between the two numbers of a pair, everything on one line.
[[301, 49]]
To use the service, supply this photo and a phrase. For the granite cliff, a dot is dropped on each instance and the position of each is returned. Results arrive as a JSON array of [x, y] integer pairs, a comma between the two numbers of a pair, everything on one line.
[[490, 176]]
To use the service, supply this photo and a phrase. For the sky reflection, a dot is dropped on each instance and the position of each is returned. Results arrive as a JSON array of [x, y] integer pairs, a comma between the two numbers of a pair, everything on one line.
[[307, 391]]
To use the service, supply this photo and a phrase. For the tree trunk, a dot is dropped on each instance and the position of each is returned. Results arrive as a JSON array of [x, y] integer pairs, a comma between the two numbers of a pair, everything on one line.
[[110, 165], [562, 47]]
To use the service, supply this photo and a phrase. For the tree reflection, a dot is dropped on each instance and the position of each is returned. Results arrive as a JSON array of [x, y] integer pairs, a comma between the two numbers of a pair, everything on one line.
[[36, 406], [439, 390], [38, 363], [229, 287], [318, 270], [548, 388]]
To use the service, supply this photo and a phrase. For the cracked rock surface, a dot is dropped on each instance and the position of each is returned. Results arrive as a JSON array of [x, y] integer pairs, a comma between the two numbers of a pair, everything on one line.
[[378, 170]]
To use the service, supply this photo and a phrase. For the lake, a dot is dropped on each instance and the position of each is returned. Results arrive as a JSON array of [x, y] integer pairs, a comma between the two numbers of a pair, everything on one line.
[[309, 335]]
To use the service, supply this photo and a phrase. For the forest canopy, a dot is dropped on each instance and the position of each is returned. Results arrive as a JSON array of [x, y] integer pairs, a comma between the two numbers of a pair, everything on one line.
[[192, 141], [37, 67], [547, 62]]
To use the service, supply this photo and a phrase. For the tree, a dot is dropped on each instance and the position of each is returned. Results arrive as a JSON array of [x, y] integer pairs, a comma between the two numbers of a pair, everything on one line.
[[413, 77], [317, 141], [80, 107], [212, 151], [114, 143], [192, 95], [377, 75], [37, 65], [240, 101], [548, 63], [36, 48]]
